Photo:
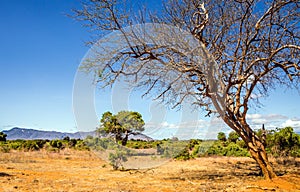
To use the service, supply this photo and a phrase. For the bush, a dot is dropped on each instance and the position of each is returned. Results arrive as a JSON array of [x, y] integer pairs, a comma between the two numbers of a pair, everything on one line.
[[72, 143], [216, 149], [2, 136], [202, 148], [235, 150], [4, 148], [283, 142], [57, 144], [183, 155], [221, 136], [118, 158], [30, 145], [233, 137]]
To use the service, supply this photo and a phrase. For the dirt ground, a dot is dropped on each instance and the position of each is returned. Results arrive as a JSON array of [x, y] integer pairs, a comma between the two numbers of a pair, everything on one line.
[[83, 171]]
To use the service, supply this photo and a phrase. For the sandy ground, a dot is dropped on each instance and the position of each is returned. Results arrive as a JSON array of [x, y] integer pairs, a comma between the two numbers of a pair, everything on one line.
[[84, 171]]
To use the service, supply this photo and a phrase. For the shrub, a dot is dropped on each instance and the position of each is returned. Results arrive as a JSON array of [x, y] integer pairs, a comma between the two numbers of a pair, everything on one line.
[[30, 145], [57, 144], [4, 148], [2, 136], [221, 136], [72, 143], [235, 150], [283, 142], [117, 158], [233, 137], [183, 155]]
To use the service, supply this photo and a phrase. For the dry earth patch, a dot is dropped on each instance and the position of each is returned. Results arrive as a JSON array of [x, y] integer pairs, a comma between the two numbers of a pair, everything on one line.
[[71, 170]]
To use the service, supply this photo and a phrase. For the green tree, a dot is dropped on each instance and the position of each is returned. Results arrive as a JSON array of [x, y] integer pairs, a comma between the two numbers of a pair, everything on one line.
[[284, 142], [239, 49], [221, 136], [2, 136], [233, 136], [121, 125]]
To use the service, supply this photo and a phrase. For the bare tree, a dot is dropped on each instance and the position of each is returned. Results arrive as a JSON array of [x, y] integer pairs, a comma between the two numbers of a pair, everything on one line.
[[253, 46]]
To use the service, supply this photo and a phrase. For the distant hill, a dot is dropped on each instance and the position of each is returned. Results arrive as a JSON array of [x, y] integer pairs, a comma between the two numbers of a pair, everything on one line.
[[30, 134]]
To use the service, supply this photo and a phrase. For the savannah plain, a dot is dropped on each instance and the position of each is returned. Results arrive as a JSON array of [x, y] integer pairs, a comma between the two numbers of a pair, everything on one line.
[[72, 170]]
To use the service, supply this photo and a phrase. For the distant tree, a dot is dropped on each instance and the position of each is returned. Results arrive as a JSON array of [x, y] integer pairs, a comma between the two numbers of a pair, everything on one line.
[[221, 136], [121, 125], [2, 136], [233, 136], [254, 45], [72, 143], [67, 138]]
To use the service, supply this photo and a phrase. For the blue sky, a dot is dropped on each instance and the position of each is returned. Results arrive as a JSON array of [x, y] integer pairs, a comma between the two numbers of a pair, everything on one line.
[[41, 49]]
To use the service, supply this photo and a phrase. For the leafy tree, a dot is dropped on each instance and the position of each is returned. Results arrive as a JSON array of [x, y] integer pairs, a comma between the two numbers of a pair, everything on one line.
[[284, 142], [221, 136], [233, 137], [121, 125], [243, 49], [2, 136]]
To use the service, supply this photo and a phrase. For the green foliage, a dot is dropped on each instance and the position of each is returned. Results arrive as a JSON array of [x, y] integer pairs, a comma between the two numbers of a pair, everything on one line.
[[141, 144], [121, 125], [183, 155], [33, 145], [227, 149], [4, 148], [81, 145], [232, 149], [233, 137], [216, 149], [58, 144], [38, 144], [118, 158], [67, 138], [193, 143], [283, 142], [2, 136], [72, 143], [202, 148], [99, 143], [221, 136]]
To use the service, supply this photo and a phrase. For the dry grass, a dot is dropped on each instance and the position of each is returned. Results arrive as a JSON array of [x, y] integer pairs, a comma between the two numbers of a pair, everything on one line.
[[83, 171]]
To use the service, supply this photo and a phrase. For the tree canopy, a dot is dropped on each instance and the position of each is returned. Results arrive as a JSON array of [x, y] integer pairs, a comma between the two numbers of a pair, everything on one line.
[[122, 124], [240, 50]]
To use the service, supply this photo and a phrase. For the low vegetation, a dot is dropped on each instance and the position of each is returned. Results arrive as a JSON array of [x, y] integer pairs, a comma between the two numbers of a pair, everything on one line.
[[38, 144], [280, 143]]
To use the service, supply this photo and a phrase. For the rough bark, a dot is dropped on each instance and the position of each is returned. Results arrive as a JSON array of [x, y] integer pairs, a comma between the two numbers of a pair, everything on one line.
[[255, 146], [258, 153], [125, 139]]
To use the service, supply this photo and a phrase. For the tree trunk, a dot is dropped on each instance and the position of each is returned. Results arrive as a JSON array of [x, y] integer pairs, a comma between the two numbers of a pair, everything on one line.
[[125, 139], [258, 152]]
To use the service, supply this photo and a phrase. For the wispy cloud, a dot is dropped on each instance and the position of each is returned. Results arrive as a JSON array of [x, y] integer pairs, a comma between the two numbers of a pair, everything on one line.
[[294, 122], [273, 120], [204, 129]]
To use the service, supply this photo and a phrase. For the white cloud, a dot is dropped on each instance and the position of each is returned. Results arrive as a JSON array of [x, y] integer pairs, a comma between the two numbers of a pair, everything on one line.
[[254, 116], [185, 130], [294, 122], [273, 121], [208, 129]]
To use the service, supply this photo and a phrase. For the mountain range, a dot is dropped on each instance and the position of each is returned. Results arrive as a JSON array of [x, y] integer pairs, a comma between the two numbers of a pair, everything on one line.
[[31, 134]]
